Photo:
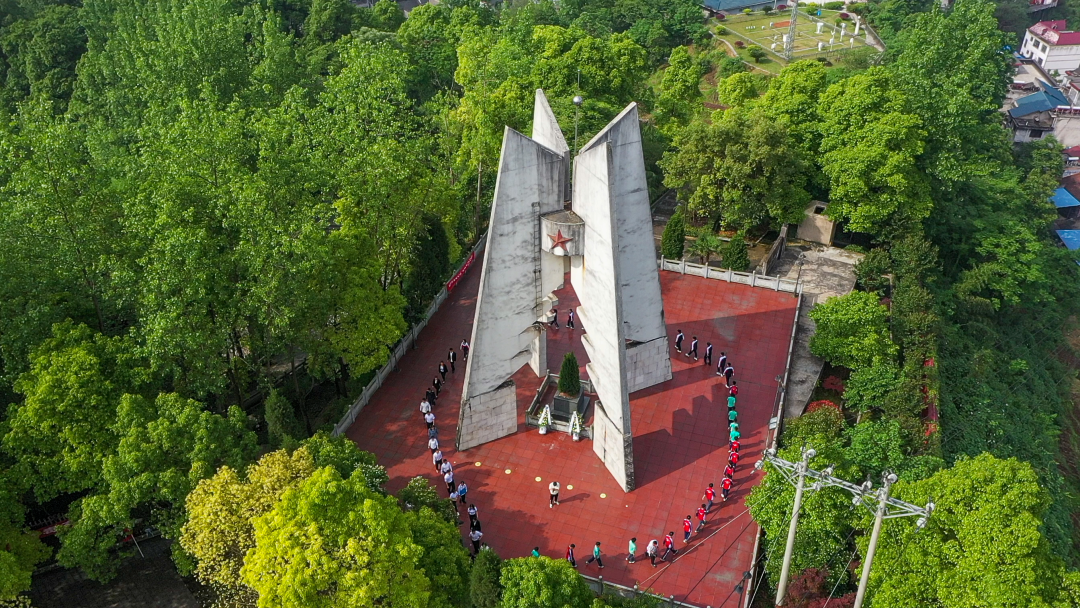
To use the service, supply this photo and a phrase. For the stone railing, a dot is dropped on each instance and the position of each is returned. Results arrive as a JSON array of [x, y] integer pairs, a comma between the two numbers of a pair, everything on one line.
[[600, 587], [752, 279], [405, 343]]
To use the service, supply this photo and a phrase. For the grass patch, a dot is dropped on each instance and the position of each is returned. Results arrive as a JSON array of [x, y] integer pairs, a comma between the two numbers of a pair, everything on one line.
[[767, 31]]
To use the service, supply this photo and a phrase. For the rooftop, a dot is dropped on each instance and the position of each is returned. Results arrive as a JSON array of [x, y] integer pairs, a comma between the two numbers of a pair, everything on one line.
[[1054, 33], [680, 442]]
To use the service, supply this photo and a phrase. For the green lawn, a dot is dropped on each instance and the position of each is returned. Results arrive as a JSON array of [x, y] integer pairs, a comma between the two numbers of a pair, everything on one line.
[[768, 31]]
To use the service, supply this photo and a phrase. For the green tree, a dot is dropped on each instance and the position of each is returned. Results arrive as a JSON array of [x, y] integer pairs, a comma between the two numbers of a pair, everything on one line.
[[420, 494], [735, 254], [853, 331], [869, 387], [705, 245], [387, 15], [673, 241], [742, 167], [870, 146], [737, 89], [982, 547], [729, 66], [166, 447], [431, 43], [333, 542], [444, 560], [542, 582], [65, 428], [680, 91], [429, 267], [20, 549], [281, 422], [485, 588], [569, 379], [757, 53]]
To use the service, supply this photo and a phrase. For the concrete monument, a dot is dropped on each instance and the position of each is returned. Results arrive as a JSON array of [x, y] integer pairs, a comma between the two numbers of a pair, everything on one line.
[[604, 238]]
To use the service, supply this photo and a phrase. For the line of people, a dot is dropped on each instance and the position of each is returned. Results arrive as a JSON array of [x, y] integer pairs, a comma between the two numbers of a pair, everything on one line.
[[456, 488], [723, 365]]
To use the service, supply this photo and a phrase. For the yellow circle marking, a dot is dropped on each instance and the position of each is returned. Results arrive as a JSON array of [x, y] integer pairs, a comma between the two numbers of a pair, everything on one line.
[[603, 496], [569, 487], [537, 479], [477, 464], [507, 471]]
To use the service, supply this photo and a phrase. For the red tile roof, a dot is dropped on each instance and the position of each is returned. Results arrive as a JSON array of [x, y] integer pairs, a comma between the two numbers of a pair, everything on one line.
[[1054, 33]]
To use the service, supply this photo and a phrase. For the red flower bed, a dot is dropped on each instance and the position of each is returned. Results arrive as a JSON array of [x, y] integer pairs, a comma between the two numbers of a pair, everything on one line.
[[845, 16], [721, 16], [817, 405], [781, 7], [740, 43]]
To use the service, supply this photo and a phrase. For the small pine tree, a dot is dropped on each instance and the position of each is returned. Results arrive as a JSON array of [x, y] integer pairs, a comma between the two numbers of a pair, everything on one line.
[[281, 422], [674, 239], [485, 589], [736, 255], [569, 377]]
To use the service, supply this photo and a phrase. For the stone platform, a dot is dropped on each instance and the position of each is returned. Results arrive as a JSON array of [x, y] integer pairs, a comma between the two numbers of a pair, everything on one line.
[[679, 434]]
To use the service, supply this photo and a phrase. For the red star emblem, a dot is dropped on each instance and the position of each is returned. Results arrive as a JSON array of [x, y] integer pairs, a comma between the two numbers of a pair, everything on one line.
[[558, 240]]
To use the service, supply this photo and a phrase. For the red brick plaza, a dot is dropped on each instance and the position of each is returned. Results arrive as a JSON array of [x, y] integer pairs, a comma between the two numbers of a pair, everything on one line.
[[680, 442]]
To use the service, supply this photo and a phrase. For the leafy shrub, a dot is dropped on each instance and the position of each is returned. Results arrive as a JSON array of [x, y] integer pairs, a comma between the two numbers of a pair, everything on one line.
[[757, 52], [721, 30], [869, 386], [871, 270], [485, 588], [844, 16], [740, 44], [766, 11], [814, 406], [729, 66], [747, 11], [853, 331], [419, 493], [736, 256], [674, 239], [721, 16], [525, 578], [281, 422], [569, 376], [833, 6]]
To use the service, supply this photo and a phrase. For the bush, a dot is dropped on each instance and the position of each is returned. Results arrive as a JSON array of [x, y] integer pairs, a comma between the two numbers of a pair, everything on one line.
[[281, 423], [721, 16], [569, 376], [747, 11], [844, 16], [871, 270], [539, 582], [721, 30], [419, 493], [729, 66], [757, 53], [781, 7], [485, 587], [674, 239], [833, 6], [735, 255], [868, 387], [766, 11], [852, 331], [740, 44]]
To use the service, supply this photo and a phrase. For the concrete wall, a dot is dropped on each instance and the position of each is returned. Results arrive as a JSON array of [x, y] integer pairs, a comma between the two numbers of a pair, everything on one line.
[[488, 417], [648, 363], [601, 311], [815, 227], [546, 132], [511, 291]]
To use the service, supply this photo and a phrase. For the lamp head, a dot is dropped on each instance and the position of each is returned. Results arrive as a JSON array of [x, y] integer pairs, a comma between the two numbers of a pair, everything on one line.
[[891, 478], [811, 453], [577, 100]]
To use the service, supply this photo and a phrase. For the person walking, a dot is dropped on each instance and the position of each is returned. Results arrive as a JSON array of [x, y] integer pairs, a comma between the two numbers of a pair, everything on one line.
[[425, 406], [678, 341], [475, 537], [429, 418], [430, 396], [669, 546], [733, 389], [442, 370], [454, 499], [734, 435], [432, 432], [693, 348], [553, 490], [687, 529], [734, 446], [708, 353], [452, 356], [651, 550], [437, 460], [731, 416], [733, 459], [570, 555], [721, 364], [437, 384], [446, 467], [570, 325], [710, 494], [701, 513], [555, 318], [596, 548], [462, 490], [448, 477], [433, 444], [473, 519], [731, 401], [729, 471], [536, 552], [632, 549], [729, 373], [464, 349], [733, 425], [725, 488]]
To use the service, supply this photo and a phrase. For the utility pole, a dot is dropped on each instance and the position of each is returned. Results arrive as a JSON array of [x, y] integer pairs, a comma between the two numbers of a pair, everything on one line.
[[800, 481], [887, 507]]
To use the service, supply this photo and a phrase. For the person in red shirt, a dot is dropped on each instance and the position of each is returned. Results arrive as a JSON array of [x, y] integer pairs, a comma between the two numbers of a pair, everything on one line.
[[729, 471], [710, 494], [669, 546], [687, 528], [734, 446], [733, 458], [733, 390], [701, 517], [725, 487]]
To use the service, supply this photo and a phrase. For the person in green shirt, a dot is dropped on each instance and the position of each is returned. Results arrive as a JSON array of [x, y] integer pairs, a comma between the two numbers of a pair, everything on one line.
[[633, 551], [536, 552], [731, 401], [732, 415]]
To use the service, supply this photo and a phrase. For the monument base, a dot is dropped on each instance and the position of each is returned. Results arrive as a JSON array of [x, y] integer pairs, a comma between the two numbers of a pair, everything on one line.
[[488, 417]]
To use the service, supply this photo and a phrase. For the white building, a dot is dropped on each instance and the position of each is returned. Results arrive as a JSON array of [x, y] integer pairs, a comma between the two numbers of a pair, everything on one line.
[[1052, 46]]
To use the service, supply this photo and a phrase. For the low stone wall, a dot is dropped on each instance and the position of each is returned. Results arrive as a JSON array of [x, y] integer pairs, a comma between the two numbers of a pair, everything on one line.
[[752, 279]]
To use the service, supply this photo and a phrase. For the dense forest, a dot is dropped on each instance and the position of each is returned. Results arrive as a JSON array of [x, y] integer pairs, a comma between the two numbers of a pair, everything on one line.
[[217, 217]]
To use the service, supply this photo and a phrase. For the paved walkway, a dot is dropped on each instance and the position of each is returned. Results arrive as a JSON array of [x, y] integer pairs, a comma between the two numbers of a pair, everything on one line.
[[680, 443]]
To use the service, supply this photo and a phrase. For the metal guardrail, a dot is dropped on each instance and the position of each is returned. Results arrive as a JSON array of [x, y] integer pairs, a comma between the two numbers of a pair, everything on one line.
[[752, 279], [599, 586], [404, 344]]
